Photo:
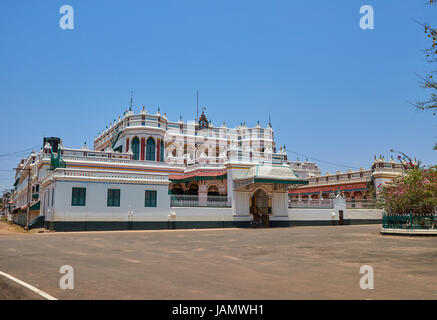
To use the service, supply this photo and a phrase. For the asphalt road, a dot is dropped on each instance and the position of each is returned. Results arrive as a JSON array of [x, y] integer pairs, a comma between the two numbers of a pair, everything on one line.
[[278, 263]]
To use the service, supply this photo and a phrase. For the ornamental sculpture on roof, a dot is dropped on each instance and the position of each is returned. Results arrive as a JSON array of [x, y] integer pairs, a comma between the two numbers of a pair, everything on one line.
[[203, 121]]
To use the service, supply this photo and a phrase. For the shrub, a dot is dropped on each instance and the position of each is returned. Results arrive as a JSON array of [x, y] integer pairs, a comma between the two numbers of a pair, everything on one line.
[[414, 192]]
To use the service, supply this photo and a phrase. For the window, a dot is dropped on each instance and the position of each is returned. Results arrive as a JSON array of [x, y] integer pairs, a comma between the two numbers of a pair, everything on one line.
[[150, 149], [161, 151], [150, 198], [53, 196], [78, 197], [113, 197], [136, 148]]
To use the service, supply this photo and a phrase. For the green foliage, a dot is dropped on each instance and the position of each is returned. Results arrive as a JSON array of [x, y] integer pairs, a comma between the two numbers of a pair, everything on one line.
[[428, 80], [414, 192]]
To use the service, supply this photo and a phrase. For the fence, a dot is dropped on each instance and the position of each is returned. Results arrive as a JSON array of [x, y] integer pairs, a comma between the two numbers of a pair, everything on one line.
[[316, 204], [409, 221], [184, 200], [361, 204]]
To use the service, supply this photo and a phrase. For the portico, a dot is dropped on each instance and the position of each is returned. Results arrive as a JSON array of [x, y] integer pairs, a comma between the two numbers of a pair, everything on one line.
[[262, 194]]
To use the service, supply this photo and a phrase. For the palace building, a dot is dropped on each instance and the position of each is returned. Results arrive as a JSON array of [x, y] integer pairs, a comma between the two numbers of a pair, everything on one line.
[[146, 171]]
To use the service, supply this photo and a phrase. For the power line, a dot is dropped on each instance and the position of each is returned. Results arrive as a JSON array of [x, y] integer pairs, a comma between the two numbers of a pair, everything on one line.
[[16, 153], [327, 162]]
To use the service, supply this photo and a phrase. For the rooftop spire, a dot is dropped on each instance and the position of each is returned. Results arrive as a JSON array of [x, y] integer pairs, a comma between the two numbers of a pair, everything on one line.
[[131, 99]]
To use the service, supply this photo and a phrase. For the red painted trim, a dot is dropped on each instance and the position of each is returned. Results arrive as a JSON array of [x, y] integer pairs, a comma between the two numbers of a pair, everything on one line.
[[358, 185], [143, 148], [158, 147]]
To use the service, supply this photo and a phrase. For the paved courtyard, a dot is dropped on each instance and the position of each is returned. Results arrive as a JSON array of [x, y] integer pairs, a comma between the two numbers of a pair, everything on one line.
[[277, 263]]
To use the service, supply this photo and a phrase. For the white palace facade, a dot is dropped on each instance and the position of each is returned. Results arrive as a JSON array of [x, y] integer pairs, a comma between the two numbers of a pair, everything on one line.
[[146, 172]]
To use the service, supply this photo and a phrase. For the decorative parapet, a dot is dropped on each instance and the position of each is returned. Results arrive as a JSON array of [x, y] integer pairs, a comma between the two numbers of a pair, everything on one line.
[[340, 178], [105, 176]]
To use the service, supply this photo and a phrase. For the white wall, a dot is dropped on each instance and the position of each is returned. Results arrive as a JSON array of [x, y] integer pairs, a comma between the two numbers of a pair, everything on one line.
[[363, 214], [280, 204], [202, 214], [240, 203], [132, 199], [326, 214], [311, 214]]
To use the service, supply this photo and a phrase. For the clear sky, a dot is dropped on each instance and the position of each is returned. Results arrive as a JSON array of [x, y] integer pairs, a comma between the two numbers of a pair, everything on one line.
[[334, 92]]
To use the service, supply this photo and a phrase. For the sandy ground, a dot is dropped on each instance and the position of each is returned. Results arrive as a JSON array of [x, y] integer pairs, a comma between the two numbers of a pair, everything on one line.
[[278, 263]]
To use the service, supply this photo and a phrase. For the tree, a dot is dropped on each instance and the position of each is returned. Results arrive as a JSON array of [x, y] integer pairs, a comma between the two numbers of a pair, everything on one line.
[[428, 80]]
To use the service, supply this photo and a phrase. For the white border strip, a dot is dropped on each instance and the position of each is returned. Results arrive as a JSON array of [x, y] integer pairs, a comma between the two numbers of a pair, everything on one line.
[[28, 286]]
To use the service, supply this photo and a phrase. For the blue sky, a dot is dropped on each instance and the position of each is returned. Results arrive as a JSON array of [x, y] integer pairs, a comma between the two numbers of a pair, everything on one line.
[[334, 92]]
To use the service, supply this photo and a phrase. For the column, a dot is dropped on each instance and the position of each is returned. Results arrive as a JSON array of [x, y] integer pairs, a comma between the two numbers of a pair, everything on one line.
[[143, 148]]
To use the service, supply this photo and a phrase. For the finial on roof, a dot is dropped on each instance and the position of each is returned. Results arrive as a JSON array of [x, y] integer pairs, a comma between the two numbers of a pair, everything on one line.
[[131, 100]]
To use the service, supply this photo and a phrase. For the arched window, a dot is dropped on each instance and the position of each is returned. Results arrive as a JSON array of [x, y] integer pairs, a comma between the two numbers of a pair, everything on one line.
[[193, 190], [150, 149], [161, 151], [136, 148], [213, 192]]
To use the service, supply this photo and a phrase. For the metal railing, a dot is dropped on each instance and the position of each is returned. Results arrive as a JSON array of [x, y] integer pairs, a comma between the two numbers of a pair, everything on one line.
[[305, 203], [409, 221], [361, 204], [184, 200]]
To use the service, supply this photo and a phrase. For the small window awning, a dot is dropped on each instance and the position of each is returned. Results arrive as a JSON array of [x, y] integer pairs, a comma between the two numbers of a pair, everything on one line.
[[35, 206], [199, 175]]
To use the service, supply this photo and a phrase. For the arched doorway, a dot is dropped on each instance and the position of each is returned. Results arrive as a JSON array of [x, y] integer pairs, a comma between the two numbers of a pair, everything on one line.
[[260, 208], [177, 189], [193, 190], [213, 192]]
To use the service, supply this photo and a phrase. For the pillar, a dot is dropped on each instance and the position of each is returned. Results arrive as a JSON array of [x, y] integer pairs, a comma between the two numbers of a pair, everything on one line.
[[143, 148]]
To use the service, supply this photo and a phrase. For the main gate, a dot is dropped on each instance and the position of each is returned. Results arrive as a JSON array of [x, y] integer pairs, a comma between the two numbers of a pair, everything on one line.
[[260, 208]]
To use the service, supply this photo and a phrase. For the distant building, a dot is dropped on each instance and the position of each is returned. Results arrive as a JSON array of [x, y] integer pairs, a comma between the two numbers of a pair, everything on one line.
[[305, 169], [351, 184], [6, 204]]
